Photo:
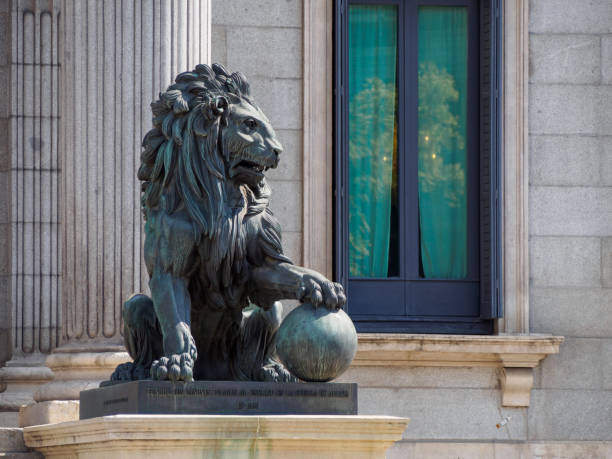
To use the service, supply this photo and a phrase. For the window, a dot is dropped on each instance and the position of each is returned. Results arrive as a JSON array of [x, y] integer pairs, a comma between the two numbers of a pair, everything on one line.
[[417, 236]]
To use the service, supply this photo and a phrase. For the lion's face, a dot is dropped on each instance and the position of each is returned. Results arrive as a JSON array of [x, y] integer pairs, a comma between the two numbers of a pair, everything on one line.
[[251, 142]]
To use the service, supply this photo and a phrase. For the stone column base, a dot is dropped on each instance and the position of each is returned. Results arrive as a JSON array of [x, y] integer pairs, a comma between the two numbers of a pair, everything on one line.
[[72, 370], [173, 436], [77, 369], [21, 379]]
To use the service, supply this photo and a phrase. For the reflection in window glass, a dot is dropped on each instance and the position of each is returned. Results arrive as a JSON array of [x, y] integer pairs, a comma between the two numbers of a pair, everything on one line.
[[372, 62], [442, 140]]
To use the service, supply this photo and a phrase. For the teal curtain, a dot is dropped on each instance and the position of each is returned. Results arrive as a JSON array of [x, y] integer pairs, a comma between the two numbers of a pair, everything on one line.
[[442, 61], [372, 61]]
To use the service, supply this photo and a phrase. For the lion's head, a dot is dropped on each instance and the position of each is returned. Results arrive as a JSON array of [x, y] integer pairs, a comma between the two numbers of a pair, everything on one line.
[[208, 134], [251, 143]]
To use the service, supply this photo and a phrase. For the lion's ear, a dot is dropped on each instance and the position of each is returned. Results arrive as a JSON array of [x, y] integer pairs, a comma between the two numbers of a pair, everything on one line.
[[219, 107]]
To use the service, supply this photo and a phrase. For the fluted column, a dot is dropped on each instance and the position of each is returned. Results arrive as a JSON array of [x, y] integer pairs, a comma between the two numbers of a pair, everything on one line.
[[34, 299], [116, 57]]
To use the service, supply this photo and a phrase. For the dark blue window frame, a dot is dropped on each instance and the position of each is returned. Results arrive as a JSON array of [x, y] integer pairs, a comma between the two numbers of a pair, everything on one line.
[[409, 304]]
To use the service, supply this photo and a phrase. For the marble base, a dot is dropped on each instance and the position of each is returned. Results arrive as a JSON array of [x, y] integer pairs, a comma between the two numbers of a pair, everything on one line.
[[218, 436]]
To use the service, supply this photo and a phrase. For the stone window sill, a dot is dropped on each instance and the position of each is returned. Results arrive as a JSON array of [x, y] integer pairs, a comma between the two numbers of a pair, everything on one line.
[[514, 355]]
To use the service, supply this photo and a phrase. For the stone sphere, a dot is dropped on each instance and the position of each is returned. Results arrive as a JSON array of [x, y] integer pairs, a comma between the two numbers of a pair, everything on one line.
[[316, 344]]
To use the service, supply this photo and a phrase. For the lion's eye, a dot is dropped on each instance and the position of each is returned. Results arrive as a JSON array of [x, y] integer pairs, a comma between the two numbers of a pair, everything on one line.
[[250, 123]]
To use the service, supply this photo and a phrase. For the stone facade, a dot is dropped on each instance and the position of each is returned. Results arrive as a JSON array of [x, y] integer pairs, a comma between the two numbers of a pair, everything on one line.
[[569, 227], [456, 409], [570, 195]]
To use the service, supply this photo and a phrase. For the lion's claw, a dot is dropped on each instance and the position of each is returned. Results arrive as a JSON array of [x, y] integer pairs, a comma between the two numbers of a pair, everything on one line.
[[123, 372], [128, 371], [276, 372], [175, 368], [321, 291]]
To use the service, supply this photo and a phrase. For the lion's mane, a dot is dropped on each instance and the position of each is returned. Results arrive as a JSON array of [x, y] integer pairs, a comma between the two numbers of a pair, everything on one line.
[[183, 166], [181, 162]]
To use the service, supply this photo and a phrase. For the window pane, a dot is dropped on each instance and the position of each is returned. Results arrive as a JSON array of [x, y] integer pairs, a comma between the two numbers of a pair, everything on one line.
[[442, 141], [372, 190]]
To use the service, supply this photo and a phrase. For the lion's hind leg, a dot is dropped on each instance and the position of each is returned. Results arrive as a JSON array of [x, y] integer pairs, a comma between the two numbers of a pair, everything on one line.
[[142, 337], [257, 346]]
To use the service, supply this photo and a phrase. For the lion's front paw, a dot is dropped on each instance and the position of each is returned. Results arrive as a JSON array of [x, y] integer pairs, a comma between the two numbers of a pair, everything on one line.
[[175, 368], [319, 290]]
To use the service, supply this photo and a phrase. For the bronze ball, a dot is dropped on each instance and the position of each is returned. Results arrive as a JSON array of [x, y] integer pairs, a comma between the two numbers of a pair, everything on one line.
[[316, 344]]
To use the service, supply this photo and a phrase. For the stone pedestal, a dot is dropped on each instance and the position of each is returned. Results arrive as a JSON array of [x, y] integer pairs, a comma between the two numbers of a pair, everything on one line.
[[235, 437], [219, 397]]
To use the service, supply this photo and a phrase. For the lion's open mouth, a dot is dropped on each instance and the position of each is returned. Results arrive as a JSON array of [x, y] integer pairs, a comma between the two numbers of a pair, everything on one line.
[[250, 171], [251, 166]]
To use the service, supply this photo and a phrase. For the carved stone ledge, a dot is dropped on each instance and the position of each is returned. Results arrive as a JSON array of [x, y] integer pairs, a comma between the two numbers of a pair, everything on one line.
[[514, 355], [227, 436]]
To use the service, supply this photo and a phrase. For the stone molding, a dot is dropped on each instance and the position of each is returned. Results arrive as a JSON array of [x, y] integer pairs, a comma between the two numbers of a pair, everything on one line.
[[317, 141], [139, 436], [515, 190], [514, 355], [398, 349]]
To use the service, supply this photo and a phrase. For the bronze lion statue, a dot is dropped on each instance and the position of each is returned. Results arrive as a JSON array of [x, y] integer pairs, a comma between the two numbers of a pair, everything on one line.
[[212, 247]]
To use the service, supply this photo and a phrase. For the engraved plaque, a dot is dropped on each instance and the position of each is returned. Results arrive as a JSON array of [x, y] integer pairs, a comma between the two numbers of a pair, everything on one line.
[[219, 397]]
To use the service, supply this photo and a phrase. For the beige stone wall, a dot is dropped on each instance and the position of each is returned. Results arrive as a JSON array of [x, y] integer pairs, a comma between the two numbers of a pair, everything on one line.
[[263, 40], [503, 450], [570, 222]]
